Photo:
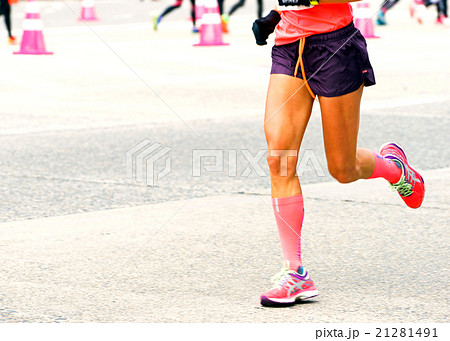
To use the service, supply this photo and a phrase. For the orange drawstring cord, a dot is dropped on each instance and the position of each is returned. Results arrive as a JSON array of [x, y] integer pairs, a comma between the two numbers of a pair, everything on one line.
[[301, 46]]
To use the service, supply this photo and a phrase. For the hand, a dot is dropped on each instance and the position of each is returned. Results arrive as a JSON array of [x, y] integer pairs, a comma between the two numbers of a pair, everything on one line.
[[263, 27]]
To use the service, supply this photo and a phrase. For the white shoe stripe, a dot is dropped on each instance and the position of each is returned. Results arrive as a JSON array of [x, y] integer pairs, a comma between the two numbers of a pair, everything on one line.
[[301, 296]]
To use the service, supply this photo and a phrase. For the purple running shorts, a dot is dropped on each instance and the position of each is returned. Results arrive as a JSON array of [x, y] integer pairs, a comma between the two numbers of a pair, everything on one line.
[[336, 63]]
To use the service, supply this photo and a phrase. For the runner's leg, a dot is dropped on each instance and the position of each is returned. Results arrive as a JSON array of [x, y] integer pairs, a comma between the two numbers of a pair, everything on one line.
[[7, 15], [260, 8], [233, 9], [346, 162], [288, 109]]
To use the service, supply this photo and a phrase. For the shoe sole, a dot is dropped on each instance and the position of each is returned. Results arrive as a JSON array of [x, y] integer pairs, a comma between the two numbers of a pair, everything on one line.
[[407, 164], [303, 296]]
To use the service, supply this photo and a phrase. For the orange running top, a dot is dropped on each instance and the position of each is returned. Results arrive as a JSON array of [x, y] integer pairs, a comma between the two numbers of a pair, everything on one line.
[[321, 18]]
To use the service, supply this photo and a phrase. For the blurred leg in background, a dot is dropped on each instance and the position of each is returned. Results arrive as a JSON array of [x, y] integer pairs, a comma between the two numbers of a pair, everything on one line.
[[5, 9]]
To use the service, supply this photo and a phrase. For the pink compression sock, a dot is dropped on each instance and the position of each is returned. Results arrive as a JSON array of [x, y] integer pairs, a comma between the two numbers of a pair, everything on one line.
[[387, 169], [289, 214]]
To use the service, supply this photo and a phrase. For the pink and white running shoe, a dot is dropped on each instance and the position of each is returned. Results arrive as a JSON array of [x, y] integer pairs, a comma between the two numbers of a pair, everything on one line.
[[411, 186], [291, 287], [443, 20]]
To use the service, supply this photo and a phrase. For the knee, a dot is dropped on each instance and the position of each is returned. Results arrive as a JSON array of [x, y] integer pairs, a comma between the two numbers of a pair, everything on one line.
[[282, 163], [342, 172]]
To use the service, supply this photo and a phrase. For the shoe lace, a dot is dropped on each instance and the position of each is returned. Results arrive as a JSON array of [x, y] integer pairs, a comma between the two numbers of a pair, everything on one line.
[[402, 187], [282, 277]]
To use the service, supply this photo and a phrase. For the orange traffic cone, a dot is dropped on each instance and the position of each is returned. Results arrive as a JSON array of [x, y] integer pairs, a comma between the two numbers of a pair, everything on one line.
[[211, 25], [88, 10], [33, 38], [363, 19]]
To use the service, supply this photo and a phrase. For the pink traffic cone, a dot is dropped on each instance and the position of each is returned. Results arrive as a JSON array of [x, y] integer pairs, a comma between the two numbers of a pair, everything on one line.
[[199, 10], [363, 20], [33, 38], [211, 28], [88, 10]]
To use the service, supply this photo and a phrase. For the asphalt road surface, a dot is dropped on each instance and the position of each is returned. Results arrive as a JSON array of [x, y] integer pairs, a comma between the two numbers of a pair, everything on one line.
[[68, 121]]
